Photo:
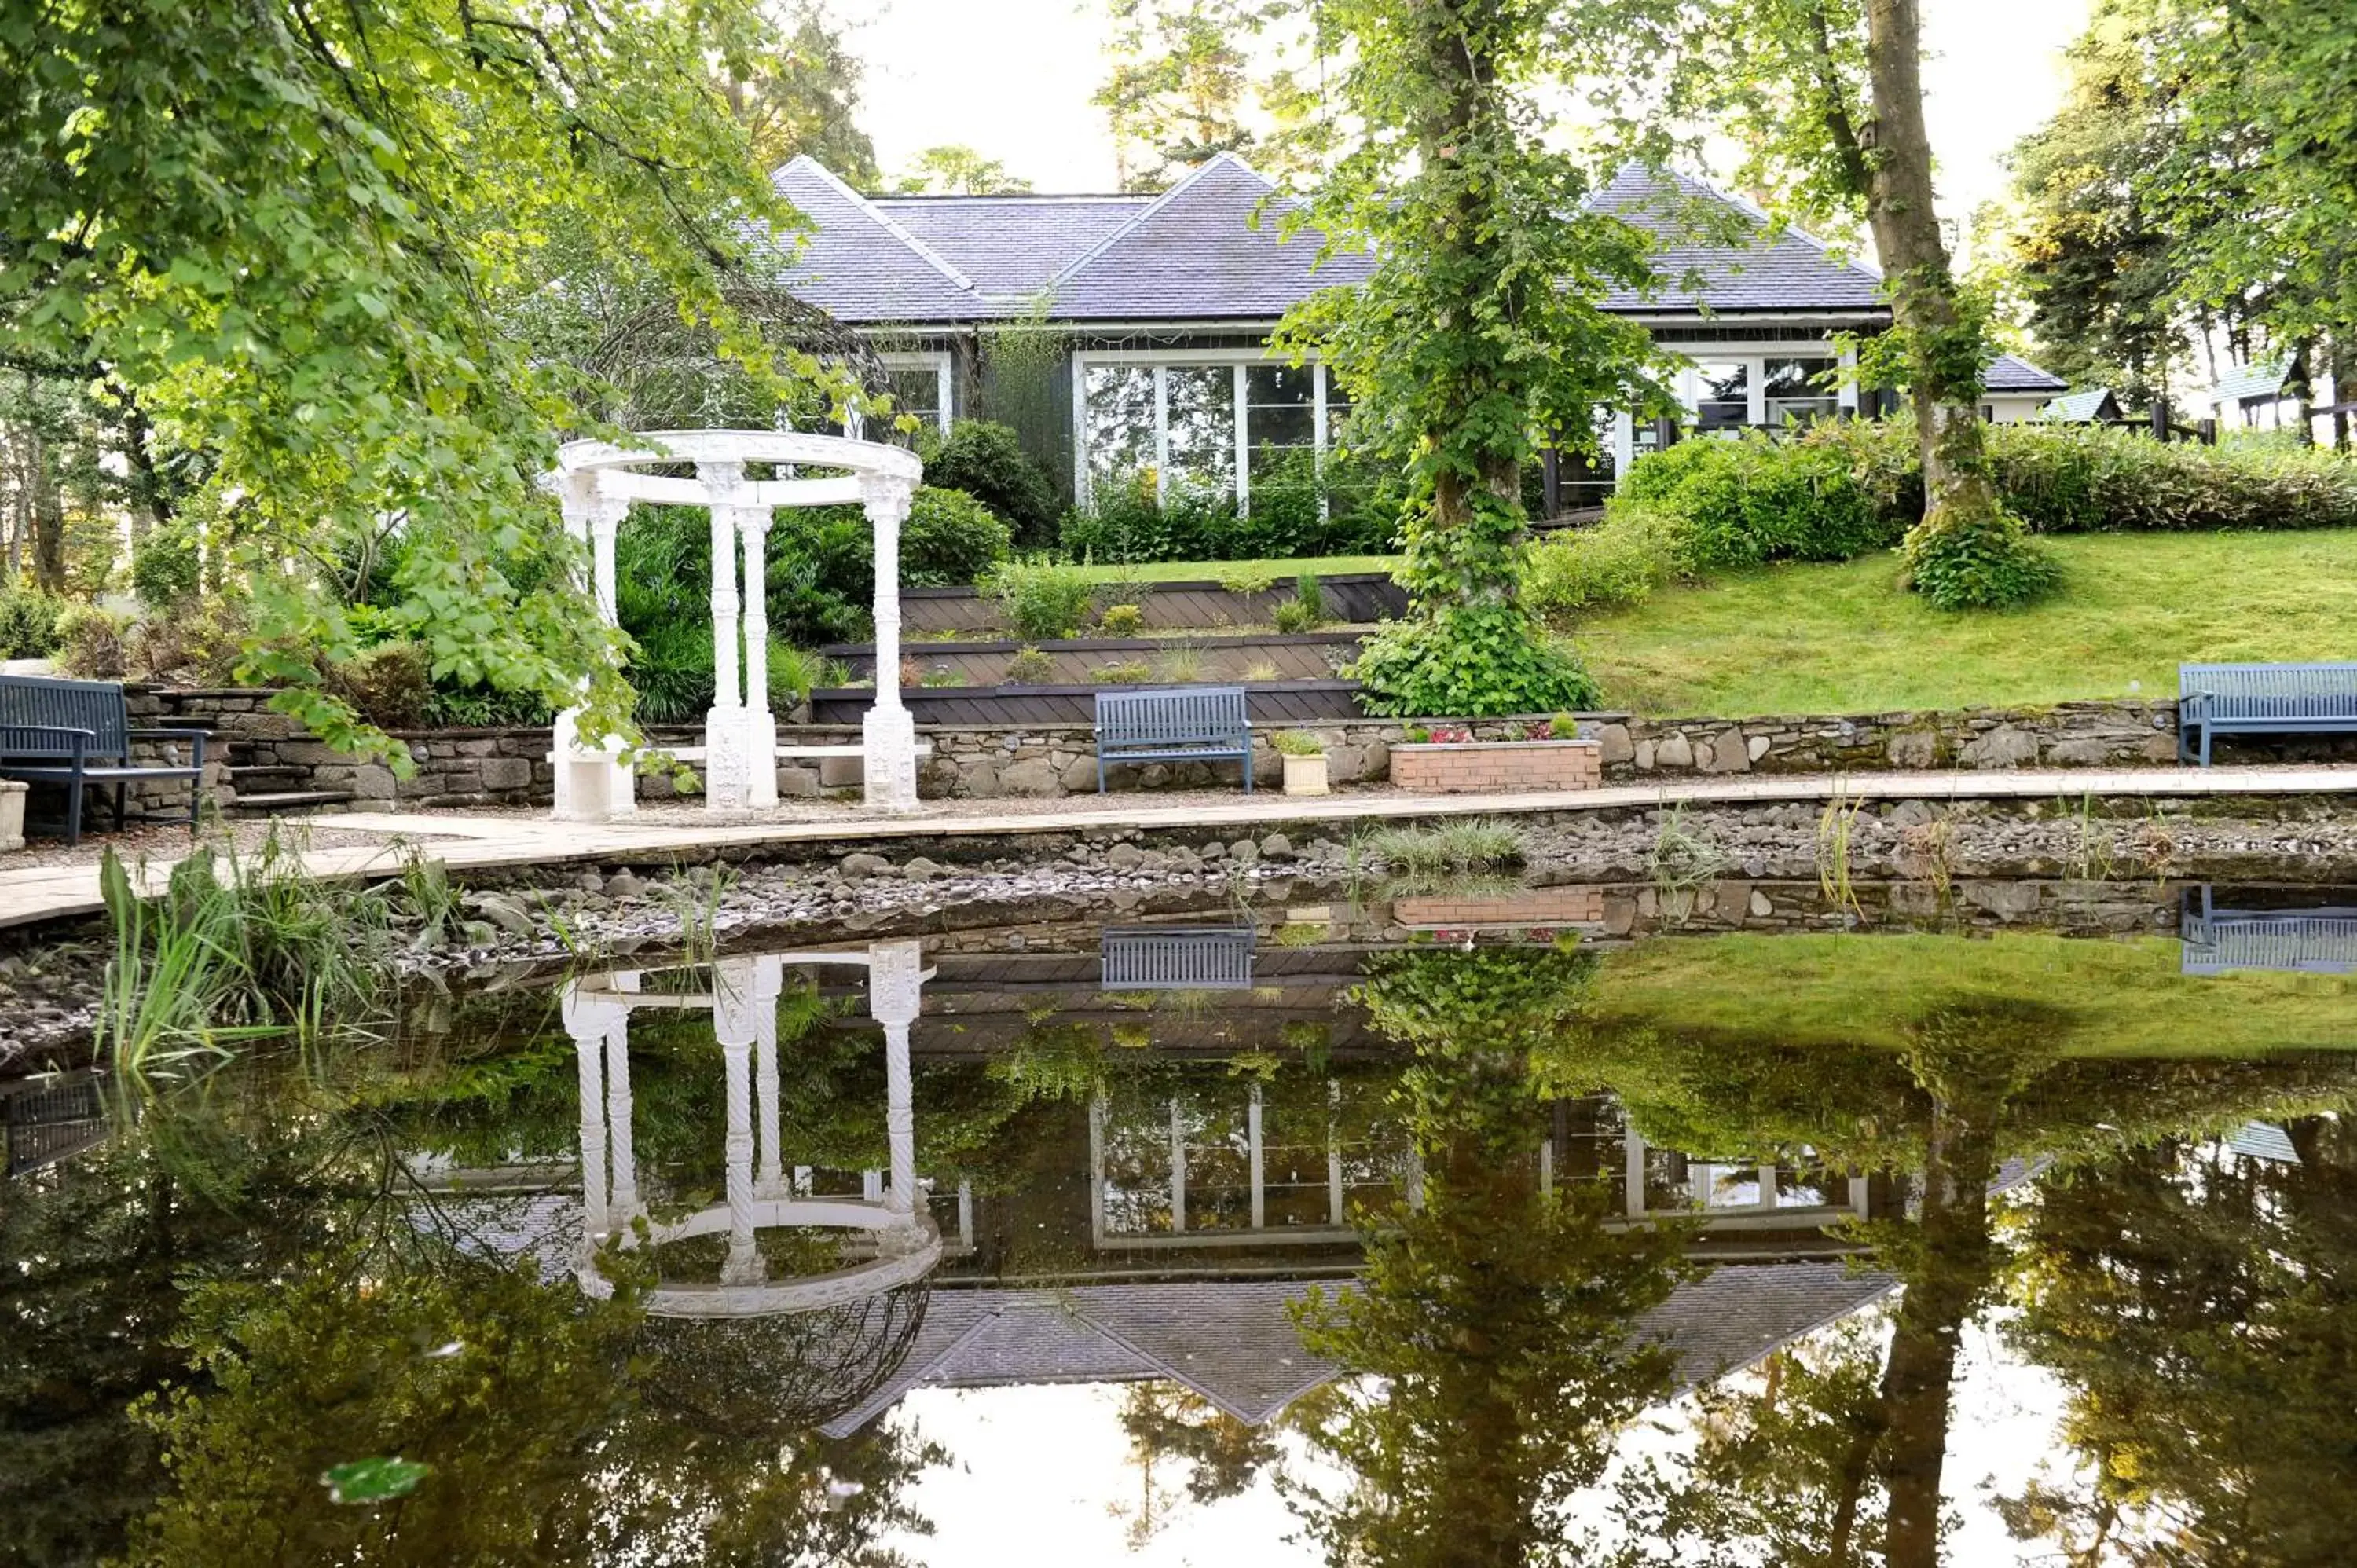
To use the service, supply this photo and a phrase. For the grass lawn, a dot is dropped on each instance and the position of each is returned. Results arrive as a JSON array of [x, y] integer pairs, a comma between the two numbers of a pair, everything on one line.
[[1844, 639], [2106, 998], [1279, 572]]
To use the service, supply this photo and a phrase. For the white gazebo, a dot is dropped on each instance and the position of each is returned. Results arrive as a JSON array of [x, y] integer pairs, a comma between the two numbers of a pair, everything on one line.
[[596, 481], [890, 1216]]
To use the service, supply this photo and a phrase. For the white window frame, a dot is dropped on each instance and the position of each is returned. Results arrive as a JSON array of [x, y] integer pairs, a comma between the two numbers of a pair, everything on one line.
[[1161, 360], [934, 359]]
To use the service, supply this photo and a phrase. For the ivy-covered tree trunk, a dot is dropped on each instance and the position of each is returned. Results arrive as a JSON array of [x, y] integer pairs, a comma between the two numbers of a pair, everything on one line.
[[1966, 554], [1478, 326]]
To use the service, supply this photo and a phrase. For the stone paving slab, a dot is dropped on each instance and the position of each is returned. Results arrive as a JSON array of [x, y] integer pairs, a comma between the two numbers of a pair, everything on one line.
[[48, 893]]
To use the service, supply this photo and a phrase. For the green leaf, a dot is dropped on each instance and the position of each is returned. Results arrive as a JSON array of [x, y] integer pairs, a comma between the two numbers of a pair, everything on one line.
[[373, 1480]]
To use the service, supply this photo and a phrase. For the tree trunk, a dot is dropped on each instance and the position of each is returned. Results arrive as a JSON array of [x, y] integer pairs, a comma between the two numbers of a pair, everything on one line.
[[1919, 1378], [48, 517], [2301, 384], [1943, 348]]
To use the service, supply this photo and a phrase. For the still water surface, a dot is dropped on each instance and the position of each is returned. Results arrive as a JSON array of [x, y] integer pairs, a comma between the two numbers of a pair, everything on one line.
[[1309, 1240]]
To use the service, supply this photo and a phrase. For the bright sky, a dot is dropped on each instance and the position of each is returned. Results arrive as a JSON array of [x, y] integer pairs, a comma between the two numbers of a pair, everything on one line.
[[1012, 79]]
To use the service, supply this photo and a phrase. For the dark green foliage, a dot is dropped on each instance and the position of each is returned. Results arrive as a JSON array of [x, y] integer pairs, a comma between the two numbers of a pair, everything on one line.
[[1046, 602], [165, 568], [1468, 661], [951, 539], [1843, 489], [986, 460], [28, 624], [1359, 515], [1977, 562]]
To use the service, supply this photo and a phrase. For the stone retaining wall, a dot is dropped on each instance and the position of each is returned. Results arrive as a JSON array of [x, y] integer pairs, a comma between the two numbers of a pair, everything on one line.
[[509, 766]]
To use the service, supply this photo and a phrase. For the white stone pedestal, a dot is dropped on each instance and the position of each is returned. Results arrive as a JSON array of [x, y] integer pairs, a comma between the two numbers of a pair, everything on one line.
[[889, 734], [740, 759], [11, 814], [593, 784]]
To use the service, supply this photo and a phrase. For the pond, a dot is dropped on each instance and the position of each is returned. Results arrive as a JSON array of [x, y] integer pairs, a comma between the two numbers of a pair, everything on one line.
[[1262, 1236]]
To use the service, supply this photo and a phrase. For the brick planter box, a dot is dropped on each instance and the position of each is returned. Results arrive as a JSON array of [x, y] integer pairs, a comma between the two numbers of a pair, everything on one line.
[[1471, 766], [1542, 907]]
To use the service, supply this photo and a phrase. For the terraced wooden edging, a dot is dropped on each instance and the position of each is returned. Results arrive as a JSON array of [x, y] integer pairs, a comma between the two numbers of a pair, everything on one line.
[[1352, 598], [1270, 702], [1298, 656]]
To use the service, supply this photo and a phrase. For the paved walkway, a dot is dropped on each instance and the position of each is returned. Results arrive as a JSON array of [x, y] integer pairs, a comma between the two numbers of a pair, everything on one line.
[[462, 843]]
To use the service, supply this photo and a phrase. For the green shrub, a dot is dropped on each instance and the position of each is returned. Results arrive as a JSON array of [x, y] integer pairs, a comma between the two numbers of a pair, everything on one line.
[[950, 540], [91, 642], [164, 566], [1756, 499], [1468, 661], [1129, 672], [987, 462], [1029, 667], [390, 685], [29, 623], [1978, 563], [1299, 507], [1620, 561], [1292, 615], [2092, 479], [1310, 594], [1044, 601], [1122, 620]]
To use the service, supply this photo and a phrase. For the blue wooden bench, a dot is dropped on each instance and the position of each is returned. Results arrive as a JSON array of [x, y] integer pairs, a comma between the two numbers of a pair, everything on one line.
[[78, 732], [2320, 941], [1177, 958], [1184, 724], [2261, 699]]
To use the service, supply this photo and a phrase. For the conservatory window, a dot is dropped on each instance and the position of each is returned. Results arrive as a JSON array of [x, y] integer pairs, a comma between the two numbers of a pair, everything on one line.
[[1208, 425], [1723, 395], [1801, 390]]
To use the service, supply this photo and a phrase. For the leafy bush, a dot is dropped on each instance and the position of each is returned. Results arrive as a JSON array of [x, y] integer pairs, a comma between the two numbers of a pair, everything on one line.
[[1292, 615], [1130, 672], [987, 462], [950, 540], [392, 684], [1978, 563], [90, 643], [1470, 661], [2089, 479], [1122, 620], [1620, 561], [29, 623], [1045, 602], [1029, 667], [1754, 499], [1298, 507], [1310, 595], [165, 567], [1298, 743]]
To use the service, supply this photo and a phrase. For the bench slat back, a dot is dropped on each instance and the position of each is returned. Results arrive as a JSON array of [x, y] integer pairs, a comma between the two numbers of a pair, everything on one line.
[[94, 705], [2272, 690], [2313, 944], [1177, 957], [1176, 716]]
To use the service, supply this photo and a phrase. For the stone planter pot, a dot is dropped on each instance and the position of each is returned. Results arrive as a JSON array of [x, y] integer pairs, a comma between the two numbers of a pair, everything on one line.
[[1306, 775], [1460, 767], [11, 814]]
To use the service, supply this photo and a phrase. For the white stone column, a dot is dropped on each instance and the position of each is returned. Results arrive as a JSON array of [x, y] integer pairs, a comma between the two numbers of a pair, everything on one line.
[[771, 1180], [586, 1024], [623, 1204], [734, 1004], [760, 724], [888, 734], [896, 984], [727, 766], [591, 782]]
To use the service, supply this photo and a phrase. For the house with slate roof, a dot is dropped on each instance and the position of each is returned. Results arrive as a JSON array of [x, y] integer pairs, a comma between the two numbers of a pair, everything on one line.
[[2261, 396], [2014, 390], [1158, 310]]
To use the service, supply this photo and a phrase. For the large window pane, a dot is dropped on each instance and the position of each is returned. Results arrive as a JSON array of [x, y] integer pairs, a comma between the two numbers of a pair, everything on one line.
[[916, 390], [1119, 400], [1280, 406], [1203, 414], [1723, 400], [1801, 390]]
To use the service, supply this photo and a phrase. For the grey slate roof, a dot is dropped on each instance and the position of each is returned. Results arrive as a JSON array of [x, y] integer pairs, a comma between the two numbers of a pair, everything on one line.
[[1789, 271], [2012, 373], [2263, 381], [1234, 1342], [1011, 246], [860, 265], [2078, 407]]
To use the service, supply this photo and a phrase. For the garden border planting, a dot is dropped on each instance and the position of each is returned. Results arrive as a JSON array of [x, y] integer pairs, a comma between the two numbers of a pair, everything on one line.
[[1351, 597]]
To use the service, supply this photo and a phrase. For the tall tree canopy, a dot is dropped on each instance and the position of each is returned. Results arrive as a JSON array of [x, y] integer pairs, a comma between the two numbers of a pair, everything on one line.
[[1192, 79], [1479, 325], [800, 94], [288, 234], [958, 170], [2200, 175]]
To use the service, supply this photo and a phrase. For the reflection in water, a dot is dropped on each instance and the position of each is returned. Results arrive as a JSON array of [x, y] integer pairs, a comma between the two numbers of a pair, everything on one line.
[[1414, 1240]]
